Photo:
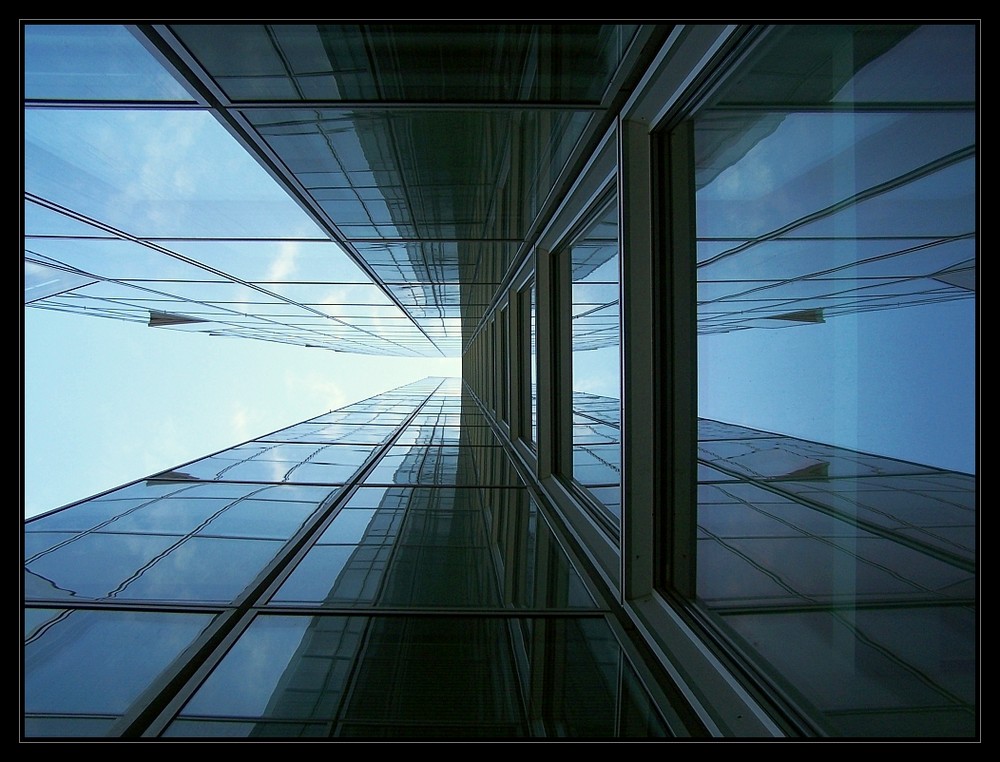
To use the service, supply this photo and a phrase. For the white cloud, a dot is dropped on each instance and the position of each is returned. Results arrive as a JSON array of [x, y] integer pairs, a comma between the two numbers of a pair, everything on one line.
[[240, 421], [284, 263], [328, 394]]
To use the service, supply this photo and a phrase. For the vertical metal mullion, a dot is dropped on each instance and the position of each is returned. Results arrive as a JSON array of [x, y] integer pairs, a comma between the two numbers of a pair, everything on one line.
[[678, 418], [524, 358], [555, 370], [505, 382], [563, 362], [619, 697], [156, 706], [640, 390], [491, 360], [515, 348]]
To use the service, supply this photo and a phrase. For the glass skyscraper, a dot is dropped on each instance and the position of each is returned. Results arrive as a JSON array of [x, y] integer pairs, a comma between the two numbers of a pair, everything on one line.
[[711, 467], [378, 571]]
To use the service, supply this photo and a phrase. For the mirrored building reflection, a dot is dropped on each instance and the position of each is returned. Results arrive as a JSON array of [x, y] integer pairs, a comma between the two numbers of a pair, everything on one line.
[[711, 467], [853, 575]]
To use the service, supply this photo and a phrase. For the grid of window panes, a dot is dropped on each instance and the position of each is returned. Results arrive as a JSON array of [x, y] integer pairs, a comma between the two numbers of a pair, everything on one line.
[[428, 205], [398, 579], [139, 206]]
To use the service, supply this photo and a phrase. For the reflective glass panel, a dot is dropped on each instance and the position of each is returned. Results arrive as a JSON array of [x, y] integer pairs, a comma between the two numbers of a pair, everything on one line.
[[175, 515], [596, 362], [97, 662], [427, 676], [42, 281], [836, 259], [264, 516], [155, 173], [436, 547], [82, 517], [389, 174], [411, 62], [93, 62], [533, 569], [276, 261], [70, 572], [462, 465], [344, 433], [275, 462], [147, 567]]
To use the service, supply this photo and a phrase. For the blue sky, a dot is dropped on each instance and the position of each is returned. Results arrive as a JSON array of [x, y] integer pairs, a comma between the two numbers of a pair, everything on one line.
[[900, 383], [107, 402]]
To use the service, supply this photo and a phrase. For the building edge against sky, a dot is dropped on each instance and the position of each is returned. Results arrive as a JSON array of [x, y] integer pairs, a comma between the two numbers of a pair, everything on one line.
[[652, 264], [161, 413]]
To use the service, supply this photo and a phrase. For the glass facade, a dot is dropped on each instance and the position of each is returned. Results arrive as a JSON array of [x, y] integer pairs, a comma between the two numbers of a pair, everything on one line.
[[710, 471], [819, 279], [865, 564], [419, 591]]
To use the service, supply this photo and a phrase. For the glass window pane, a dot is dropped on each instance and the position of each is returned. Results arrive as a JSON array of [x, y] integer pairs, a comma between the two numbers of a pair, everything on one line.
[[271, 262], [416, 464], [203, 569], [42, 281], [70, 571], [66, 727], [97, 662], [120, 167], [176, 516], [80, 518], [273, 462], [316, 580], [505, 379], [264, 516], [93, 62], [596, 361], [251, 678], [836, 249]]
